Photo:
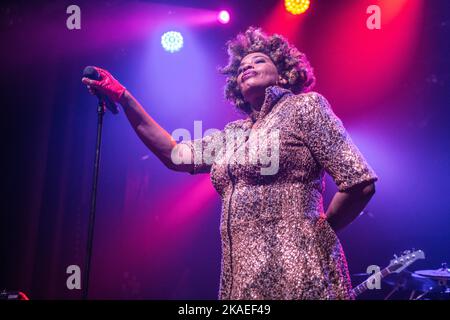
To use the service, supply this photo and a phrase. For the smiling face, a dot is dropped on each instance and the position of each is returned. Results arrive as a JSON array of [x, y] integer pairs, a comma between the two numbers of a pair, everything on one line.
[[255, 74]]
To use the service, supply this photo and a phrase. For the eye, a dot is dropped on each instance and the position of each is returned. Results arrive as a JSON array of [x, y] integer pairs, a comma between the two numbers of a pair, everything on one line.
[[260, 60]]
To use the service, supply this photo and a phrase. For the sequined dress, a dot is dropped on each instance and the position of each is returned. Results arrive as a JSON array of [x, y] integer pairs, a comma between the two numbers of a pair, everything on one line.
[[276, 242]]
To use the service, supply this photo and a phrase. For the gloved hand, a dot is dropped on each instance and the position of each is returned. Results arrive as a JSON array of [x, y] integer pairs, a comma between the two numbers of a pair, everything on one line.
[[108, 85]]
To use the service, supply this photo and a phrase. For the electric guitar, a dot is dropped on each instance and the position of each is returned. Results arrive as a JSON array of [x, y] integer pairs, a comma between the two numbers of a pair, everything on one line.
[[395, 266]]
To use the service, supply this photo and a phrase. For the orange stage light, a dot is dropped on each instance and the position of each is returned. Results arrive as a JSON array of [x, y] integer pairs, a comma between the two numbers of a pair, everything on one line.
[[296, 6]]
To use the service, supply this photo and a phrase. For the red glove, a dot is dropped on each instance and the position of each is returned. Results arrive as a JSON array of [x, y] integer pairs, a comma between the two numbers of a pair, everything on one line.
[[108, 85]]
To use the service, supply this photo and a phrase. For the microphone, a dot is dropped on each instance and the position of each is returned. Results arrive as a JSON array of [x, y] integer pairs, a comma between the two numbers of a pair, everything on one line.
[[90, 73]]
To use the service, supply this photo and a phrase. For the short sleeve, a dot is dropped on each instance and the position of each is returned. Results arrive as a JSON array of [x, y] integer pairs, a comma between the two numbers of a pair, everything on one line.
[[330, 144], [204, 151]]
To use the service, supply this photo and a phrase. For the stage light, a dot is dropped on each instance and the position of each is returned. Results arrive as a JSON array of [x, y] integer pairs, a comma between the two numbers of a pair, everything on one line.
[[223, 17], [172, 41], [296, 6]]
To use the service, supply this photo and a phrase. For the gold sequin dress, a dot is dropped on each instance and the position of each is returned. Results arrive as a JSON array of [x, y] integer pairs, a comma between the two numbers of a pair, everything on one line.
[[276, 243]]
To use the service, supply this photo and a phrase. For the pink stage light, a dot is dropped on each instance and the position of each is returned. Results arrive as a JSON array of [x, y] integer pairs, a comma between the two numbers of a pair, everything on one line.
[[223, 17]]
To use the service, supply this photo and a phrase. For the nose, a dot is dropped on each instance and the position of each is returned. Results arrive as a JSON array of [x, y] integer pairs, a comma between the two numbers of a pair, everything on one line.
[[246, 67]]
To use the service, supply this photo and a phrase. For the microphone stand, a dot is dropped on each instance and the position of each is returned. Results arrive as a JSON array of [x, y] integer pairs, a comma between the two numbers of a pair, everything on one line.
[[101, 108]]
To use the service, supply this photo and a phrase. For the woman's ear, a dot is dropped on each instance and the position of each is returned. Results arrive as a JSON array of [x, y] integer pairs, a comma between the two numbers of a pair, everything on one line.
[[281, 81]]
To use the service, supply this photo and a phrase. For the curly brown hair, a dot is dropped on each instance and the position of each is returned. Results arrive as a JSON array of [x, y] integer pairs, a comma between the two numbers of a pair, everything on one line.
[[292, 65]]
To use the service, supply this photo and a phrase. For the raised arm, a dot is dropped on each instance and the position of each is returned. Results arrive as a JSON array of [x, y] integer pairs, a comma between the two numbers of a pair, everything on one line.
[[158, 140]]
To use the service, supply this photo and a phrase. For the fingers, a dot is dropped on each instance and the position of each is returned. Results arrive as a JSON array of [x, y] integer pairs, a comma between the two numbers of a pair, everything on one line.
[[91, 82], [91, 90], [91, 85], [104, 85], [99, 70], [103, 73]]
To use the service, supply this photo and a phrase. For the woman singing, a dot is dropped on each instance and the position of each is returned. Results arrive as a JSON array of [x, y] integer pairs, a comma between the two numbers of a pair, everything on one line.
[[277, 240]]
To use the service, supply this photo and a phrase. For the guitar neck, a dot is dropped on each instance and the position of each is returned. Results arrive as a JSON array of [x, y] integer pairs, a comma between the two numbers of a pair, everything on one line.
[[363, 286]]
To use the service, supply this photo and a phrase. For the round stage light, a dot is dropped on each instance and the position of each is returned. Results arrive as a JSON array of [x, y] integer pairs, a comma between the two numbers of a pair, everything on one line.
[[296, 6], [172, 41], [223, 16]]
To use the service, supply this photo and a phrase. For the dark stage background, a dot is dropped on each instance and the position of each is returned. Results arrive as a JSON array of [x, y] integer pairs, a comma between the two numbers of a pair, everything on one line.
[[157, 231]]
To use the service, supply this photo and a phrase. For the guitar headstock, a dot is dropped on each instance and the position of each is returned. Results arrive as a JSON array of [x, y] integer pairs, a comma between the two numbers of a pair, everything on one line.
[[398, 264]]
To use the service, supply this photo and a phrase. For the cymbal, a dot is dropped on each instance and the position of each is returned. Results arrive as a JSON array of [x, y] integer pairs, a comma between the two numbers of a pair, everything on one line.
[[439, 274], [411, 281]]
